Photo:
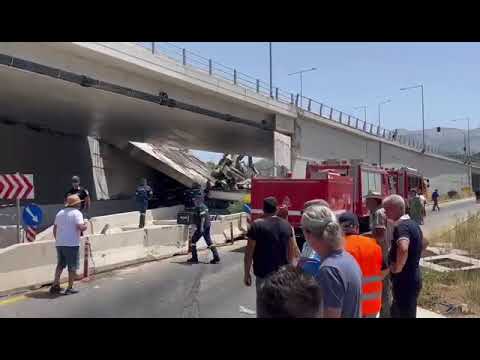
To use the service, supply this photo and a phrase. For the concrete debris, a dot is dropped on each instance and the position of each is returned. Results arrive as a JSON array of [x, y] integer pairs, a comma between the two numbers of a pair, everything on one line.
[[456, 308], [232, 174], [175, 162]]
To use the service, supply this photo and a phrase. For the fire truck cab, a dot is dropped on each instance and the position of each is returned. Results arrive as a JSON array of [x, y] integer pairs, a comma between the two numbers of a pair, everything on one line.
[[403, 179], [366, 177]]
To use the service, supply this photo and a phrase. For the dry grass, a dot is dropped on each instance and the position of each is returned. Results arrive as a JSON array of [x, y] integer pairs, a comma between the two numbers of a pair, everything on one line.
[[464, 235], [455, 287], [452, 288]]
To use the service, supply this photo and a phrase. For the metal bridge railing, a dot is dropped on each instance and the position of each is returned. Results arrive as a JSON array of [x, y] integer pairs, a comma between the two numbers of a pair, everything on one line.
[[213, 68]]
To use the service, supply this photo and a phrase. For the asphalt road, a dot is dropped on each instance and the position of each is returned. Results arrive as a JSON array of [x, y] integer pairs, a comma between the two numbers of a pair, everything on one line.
[[172, 288], [448, 214]]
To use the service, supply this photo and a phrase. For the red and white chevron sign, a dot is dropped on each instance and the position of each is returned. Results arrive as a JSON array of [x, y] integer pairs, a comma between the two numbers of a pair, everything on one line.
[[16, 186]]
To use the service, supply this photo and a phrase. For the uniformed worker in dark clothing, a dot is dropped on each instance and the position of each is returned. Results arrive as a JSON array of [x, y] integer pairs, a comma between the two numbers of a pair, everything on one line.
[[82, 193], [202, 223], [142, 195], [191, 194]]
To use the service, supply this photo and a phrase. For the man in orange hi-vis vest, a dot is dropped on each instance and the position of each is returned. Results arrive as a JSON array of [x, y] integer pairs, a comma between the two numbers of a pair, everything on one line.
[[369, 256]]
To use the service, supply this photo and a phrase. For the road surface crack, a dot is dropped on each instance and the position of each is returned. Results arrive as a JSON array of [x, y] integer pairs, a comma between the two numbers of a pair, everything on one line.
[[191, 306]]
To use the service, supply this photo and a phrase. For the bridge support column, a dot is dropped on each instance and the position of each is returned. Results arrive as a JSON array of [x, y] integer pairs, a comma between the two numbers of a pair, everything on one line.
[[98, 170], [282, 154]]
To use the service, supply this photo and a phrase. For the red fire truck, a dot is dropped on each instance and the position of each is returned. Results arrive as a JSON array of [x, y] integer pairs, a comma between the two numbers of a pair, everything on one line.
[[342, 183], [366, 177], [293, 193]]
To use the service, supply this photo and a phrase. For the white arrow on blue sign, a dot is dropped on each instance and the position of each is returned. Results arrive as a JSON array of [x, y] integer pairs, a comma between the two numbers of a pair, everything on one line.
[[32, 215]]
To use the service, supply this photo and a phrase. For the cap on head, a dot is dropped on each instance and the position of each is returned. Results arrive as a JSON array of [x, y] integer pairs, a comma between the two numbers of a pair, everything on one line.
[[76, 179], [72, 200], [270, 205], [374, 195], [348, 221]]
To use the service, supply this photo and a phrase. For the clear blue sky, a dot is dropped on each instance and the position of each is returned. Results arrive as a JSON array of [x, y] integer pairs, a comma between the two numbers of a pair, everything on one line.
[[356, 74]]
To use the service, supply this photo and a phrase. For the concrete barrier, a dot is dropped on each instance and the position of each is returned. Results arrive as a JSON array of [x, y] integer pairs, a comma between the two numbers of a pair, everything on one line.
[[116, 249], [132, 218], [166, 240], [28, 264], [165, 212], [117, 220], [33, 264]]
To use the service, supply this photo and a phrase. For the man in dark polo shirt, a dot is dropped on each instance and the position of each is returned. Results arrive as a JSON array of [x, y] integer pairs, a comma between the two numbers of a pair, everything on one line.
[[268, 245], [82, 193], [404, 257]]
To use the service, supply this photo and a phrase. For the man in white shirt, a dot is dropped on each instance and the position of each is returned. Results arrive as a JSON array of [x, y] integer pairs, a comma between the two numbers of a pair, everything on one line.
[[69, 224]]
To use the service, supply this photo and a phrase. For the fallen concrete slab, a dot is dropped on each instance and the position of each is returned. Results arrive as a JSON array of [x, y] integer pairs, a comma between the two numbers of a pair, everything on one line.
[[177, 163]]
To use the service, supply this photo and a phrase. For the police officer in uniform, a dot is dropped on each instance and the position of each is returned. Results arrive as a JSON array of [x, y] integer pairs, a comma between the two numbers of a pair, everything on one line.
[[82, 193], [191, 194], [142, 195], [202, 223]]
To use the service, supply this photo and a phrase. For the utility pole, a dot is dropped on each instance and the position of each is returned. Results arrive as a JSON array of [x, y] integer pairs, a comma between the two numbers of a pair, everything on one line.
[[301, 81], [423, 113], [379, 106], [364, 107], [271, 84]]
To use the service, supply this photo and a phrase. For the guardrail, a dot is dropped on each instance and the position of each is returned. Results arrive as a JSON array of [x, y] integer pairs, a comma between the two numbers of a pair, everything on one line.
[[213, 68]]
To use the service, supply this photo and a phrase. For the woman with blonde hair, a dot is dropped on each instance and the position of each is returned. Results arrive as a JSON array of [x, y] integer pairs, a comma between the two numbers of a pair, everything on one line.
[[338, 274]]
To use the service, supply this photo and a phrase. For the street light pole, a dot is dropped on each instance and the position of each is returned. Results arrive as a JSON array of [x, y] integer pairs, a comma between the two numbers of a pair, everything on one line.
[[423, 122], [379, 106], [271, 84], [467, 149], [423, 114], [301, 81], [364, 107], [301, 89]]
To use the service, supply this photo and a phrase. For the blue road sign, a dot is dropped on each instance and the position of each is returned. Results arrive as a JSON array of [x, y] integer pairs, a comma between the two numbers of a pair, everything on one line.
[[32, 215]]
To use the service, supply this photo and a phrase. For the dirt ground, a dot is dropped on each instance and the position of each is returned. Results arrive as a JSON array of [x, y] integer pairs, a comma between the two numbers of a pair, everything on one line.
[[445, 293]]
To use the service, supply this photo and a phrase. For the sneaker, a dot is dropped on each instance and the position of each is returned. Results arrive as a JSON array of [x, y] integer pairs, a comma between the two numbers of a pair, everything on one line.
[[56, 289], [192, 261], [71, 291], [215, 261]]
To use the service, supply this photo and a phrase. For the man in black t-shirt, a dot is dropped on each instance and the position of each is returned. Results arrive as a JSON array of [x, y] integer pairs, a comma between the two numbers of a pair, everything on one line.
[[82, 193], [404, 258], [268, 245]]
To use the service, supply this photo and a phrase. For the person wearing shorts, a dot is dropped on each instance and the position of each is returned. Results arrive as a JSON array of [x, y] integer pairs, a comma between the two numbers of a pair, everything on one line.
[[69, 224]]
